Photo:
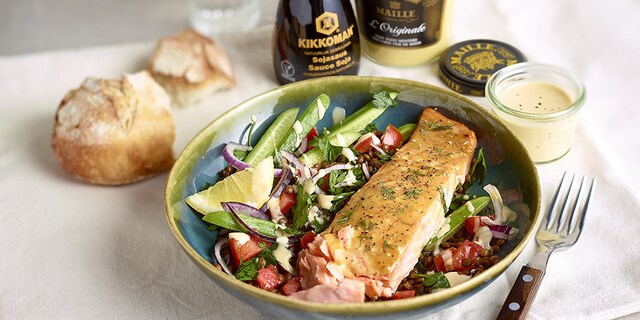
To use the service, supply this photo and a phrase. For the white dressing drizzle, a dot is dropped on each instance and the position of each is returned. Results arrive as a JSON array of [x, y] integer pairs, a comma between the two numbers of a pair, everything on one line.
[[324, 201], [283, 255], [470, 206], [340, 141], [241, 237], [349, 180], [274, 207], [338, 115], [321, 109], [483, 237], [347, 153], [309, 186], [297, 127], [314, 214]]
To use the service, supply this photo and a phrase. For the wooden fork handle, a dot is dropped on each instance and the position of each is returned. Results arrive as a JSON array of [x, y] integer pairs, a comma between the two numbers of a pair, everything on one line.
[[522, 294]]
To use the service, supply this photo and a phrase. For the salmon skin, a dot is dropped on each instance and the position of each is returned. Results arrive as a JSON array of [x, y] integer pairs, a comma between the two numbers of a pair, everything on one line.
[[377, 237]]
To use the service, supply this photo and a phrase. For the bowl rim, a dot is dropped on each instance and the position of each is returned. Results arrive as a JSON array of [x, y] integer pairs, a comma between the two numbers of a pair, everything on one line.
[[379, 307]]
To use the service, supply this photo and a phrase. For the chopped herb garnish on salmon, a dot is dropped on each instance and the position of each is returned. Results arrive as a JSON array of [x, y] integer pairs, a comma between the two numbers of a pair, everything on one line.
[[437, 126]]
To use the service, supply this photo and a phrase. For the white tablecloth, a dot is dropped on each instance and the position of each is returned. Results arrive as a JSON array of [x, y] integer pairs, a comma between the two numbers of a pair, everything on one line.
[[74, 251]]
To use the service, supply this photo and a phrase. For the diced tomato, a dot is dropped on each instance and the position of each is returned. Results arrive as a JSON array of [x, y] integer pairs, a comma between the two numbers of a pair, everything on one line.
[[473, 223], [247, 250], [312, 134], [308, 237], [403, 294], [454, 258], [268, 278], [292, 286], [469, 251], [391, 137], [365, 142], [443, 261], [287, 201]]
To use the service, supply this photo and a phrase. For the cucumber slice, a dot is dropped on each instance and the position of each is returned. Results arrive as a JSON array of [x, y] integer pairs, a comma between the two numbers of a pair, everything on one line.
[[360, 119], [456, 220], [407, 130], [272, 137], [226, 220], [353, 123], [300, 128], [315, 155]]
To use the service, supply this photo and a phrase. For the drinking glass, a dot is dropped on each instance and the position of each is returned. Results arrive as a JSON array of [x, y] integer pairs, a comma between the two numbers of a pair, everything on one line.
[[224, 16]]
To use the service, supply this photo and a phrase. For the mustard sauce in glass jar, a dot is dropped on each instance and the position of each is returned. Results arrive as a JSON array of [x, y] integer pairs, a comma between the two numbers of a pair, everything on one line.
[[540, 103]]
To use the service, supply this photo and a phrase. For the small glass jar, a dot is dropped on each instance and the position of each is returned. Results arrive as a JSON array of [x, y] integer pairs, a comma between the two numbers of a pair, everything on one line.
[[540, 104]]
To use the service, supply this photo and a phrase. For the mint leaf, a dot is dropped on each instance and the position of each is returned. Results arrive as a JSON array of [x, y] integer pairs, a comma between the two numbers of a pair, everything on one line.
[[319, 227], [339, 200], [301, 208], [248, 270], [267, 255], [435, 280], [329, 151], [383, 99], [338, 183]]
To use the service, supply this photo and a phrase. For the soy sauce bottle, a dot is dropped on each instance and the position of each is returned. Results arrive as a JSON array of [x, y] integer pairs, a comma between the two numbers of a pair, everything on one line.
[[315, 38]]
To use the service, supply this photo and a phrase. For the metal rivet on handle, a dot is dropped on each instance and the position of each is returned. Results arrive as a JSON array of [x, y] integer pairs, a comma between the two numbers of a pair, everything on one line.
[[527, 278], [514, 306]]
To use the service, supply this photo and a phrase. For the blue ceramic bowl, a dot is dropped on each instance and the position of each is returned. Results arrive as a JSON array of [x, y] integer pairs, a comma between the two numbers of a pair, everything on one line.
[[509, 167]]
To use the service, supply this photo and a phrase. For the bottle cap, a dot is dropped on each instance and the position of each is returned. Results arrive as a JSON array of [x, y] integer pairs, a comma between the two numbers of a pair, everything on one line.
[[466, 66]]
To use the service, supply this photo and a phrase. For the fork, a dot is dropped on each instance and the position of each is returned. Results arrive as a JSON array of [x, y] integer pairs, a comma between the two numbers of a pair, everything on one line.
[[559, 230]]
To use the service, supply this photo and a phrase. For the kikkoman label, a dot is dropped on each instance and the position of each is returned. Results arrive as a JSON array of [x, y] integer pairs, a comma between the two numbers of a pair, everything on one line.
[[327, 23], [308, 43], [332, 54]]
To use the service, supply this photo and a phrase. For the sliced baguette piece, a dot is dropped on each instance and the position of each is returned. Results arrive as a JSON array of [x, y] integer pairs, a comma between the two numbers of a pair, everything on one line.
[[190, 67]]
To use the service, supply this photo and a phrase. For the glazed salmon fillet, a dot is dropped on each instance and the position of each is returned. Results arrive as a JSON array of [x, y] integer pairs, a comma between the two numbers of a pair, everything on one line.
[[376, 239]]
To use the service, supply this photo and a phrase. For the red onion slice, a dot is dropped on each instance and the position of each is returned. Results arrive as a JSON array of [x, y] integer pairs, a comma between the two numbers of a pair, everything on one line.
[[217, 252], [365, 171], [488, 221], [231, 206], [323, 172], [379, 150], [501, 231], [227, 154], [292, 160], [303, 147], [300, 169], [285, 178], [243, 208]]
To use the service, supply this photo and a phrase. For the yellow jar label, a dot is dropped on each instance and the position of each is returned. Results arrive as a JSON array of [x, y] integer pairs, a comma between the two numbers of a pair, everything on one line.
[[402, 23]]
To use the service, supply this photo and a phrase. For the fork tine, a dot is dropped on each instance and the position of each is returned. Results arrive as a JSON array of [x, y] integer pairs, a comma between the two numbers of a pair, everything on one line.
[[575, 233], [554, 202], [566, 225], [556, 221]]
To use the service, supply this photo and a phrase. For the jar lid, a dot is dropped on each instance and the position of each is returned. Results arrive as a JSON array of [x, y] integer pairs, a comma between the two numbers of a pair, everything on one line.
[[466, 66]]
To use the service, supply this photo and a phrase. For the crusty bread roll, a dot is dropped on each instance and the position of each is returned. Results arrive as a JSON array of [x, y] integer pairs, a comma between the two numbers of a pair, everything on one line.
[[114, 132], [190, 67]]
